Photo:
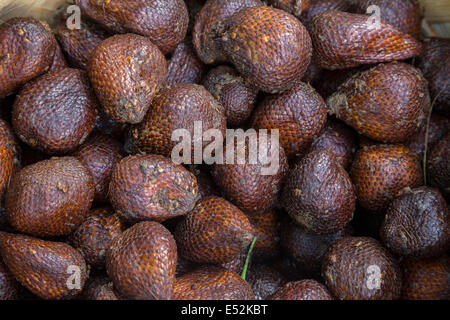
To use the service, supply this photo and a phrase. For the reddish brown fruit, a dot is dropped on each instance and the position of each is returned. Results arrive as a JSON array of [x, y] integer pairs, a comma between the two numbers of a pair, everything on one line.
[[177, 107], [295, 7], [59, 61], [27, 50], [237, 264], [267, 235], [56, 112], [50, 198], [184, 266], [388, 103], [184, 66], [318, 6], [141, 262], [426, 279], [206, 187], [142, 68], [214, 232], [151, 187], [237, 97], [50, 270], [437, 128], [9, 153], [344, 40], [269, 47], [163, 22], [212, 283], [100, 288], [9, 287], [95, 234], [264, 280], [252, 185], [78, 43], [207, 23], [359, 268], [438, 166], [331, 80], [302, 290], [417, 224], [318, 193], [380, 172], [299, 114], [100, 154]]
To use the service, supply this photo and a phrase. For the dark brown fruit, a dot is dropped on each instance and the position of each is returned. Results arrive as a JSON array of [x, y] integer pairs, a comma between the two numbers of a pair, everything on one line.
[[184, 266], [212, 283], [214, 232], [267, 235], [206, 186], [269, 47], [100, 154], [50, 270], [305, 248], [344, 40], [295, 7], [380, 172], [178, 107], [388, 103], [99, 288], [151, 187], [337, 138], [164, 22], [287, 268], [264, 280], [95, 234], [27, 50], [302, 290], [184, 66], [319, 194], [207, 22], [78, 43], [426, 279], [50, 198], [437, 128], [299, 114], [142, 68], [438, 166], [237, 97], [56, 112], [417, 224], [59, 61], [330, 80], [9, 287], [9, 153], [141, 262], [318, 6], [237, 264], [405, 15], [359, 268], [105, 125], [252, 185]]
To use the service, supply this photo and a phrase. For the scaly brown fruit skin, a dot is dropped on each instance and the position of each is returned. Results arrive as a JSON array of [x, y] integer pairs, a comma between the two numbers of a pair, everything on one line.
[[177, 107], [380, 172], [151, 187], [164, 22], [295, 7], [142, 68], [206, 186], [184, 266], [9, 287], [306, 249], [435, 65], [319, 194], [302, 290], [78, 44], [426, 279], [100, 153], [56, 112], [330, 80], [267, 235], [44, 267], [437, 128], [230, 89], [237, 264], [27, 50], [59, 61], [269, 47], [344, 40], [417, 224], [212, 283], [105, 125], [214, 232], [50, 198], [184, 66], [439, 165], [100, 288], [359, 268], [337, 138], [252, 187], [141, 262], [388, 103], [9, 153], [207, 22], [403, 14], [264, 280], [95, 234], [318, 6], [299, 114]]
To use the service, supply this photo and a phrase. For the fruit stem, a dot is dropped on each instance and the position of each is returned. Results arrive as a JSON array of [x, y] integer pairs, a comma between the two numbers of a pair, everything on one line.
[[247, 260]]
